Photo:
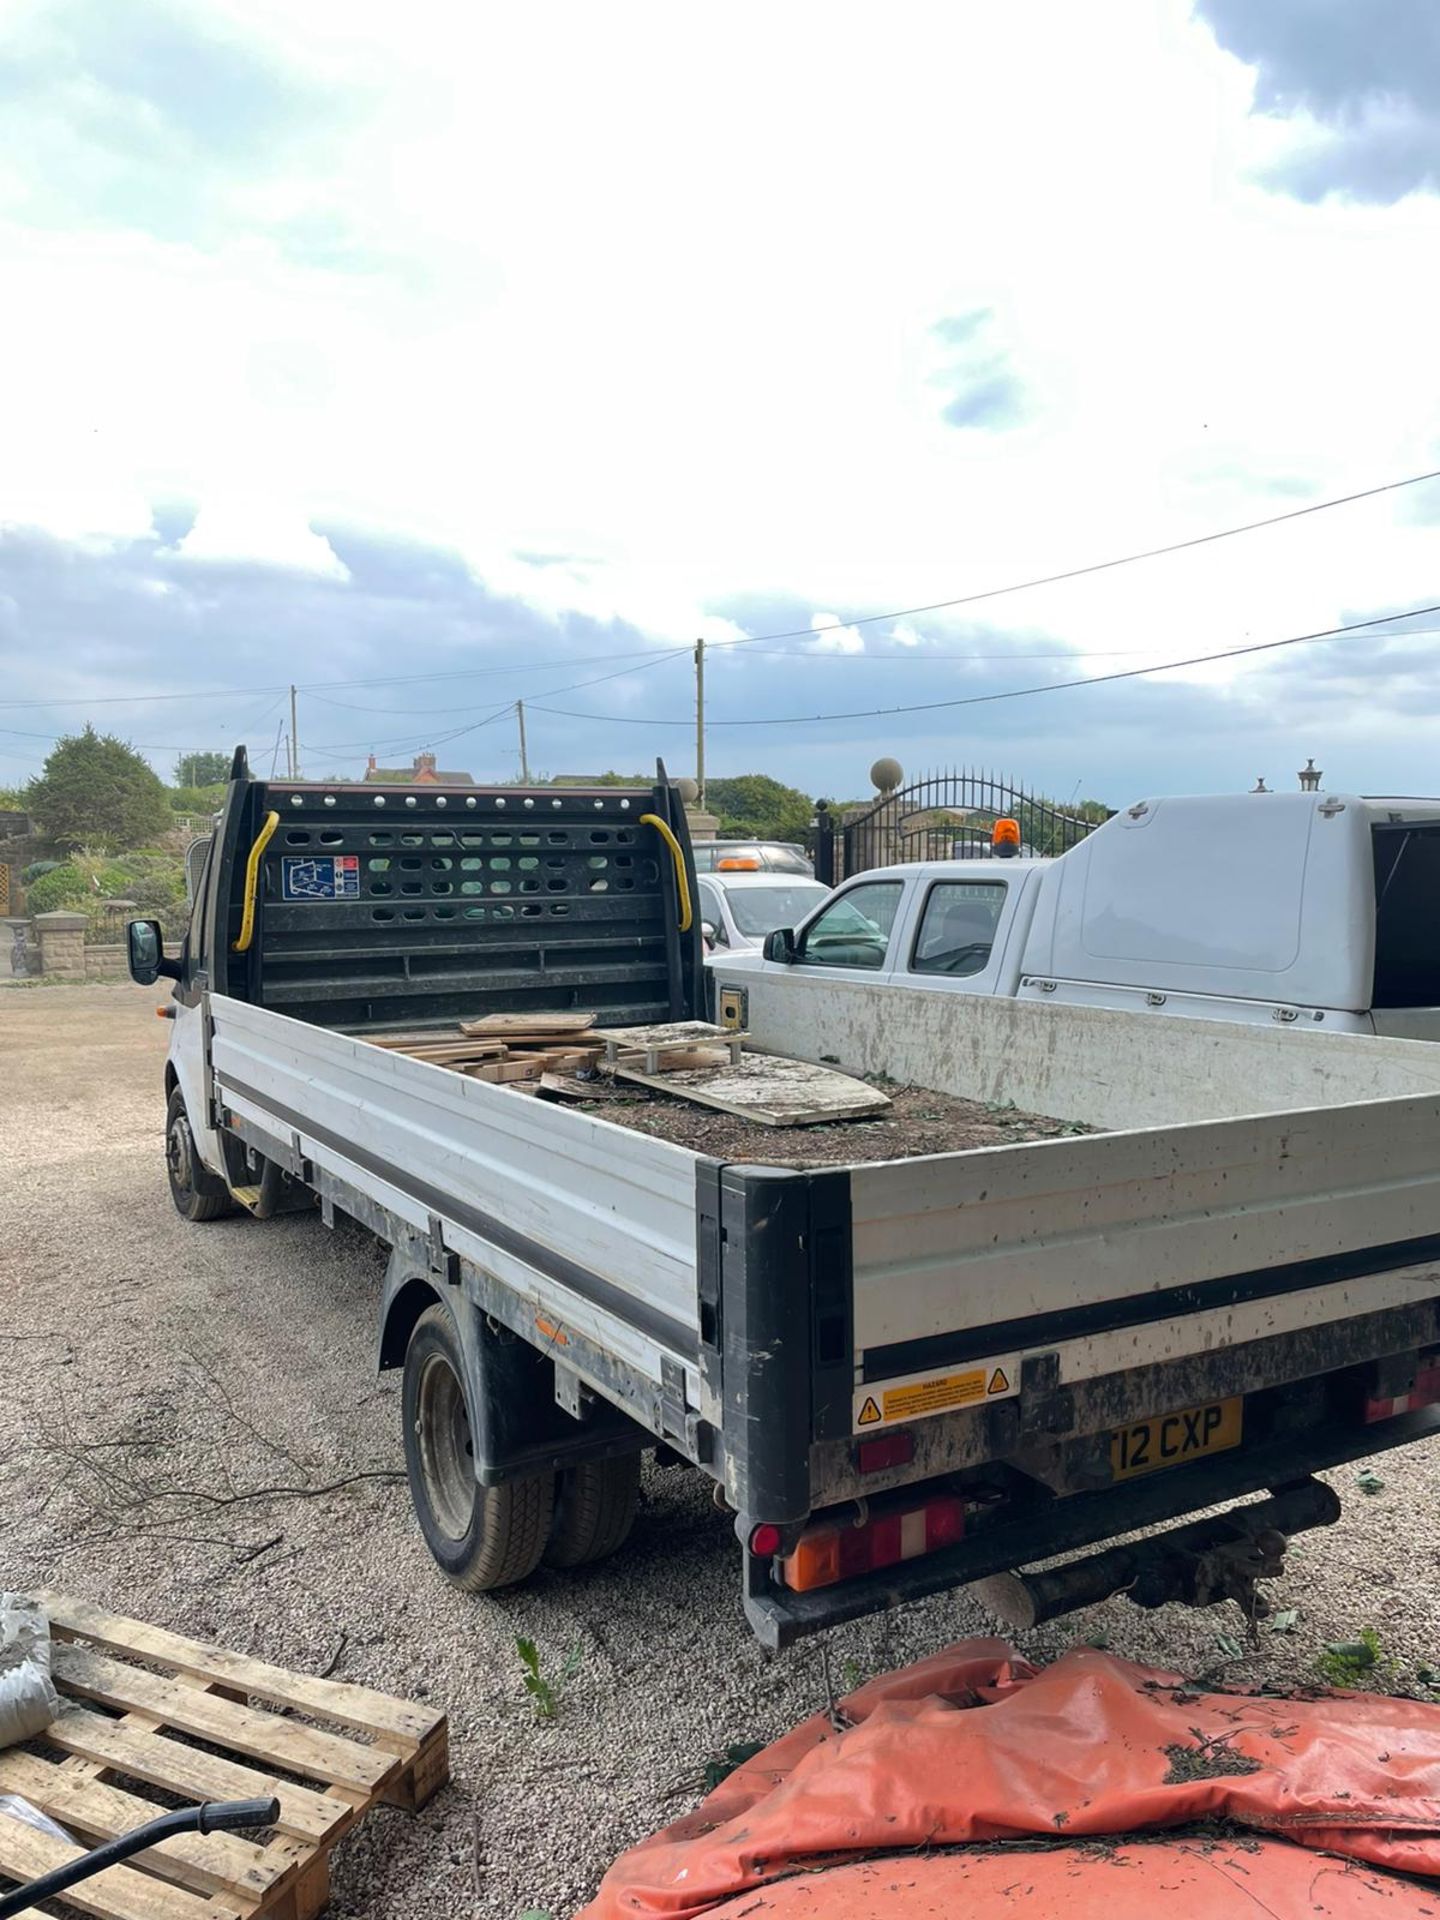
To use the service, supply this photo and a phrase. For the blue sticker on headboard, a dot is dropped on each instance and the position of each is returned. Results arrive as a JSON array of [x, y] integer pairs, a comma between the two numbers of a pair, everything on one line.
[[323, 876]]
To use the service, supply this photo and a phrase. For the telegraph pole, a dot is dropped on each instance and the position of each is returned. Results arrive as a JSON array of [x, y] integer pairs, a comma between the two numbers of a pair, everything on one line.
[[524, 757], [294, 740], [700, 720]]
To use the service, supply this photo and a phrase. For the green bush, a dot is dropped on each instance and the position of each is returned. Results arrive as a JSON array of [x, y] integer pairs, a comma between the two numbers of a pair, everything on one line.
[[62, 886], [71, 885], [29, 875], [154, 881]]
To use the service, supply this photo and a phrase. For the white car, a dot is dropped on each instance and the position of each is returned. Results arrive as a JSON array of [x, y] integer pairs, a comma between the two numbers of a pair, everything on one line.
[[738, 909]]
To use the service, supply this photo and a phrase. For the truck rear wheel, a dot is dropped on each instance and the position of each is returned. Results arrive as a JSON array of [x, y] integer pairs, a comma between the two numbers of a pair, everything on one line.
[[198, 1194], [482, 1537], [595, 1506]]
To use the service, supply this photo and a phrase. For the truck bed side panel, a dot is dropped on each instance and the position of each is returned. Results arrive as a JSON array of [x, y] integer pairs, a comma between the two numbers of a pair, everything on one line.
[[1143, 1236], [596, 1224], [1078, 1063]]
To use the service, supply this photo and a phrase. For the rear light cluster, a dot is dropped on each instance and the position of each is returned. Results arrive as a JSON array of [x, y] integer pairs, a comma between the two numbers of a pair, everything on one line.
[[877, 1537], [1424, 1393]]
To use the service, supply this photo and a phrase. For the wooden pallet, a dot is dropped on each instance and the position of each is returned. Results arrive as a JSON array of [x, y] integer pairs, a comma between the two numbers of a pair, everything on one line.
[[126, 1723], [669, 1045]]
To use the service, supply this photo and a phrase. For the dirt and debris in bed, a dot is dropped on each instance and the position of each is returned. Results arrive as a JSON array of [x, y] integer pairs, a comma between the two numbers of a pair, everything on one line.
[[916, 1122]]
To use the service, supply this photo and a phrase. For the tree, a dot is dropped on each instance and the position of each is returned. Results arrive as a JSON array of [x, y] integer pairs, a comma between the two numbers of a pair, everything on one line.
[[197, 799], [202, 769], [14, 799], [95, 791], [754, 804]]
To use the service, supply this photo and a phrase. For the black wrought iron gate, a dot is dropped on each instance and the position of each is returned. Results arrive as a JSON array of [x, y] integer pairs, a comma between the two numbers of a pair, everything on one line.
[[942, 816]]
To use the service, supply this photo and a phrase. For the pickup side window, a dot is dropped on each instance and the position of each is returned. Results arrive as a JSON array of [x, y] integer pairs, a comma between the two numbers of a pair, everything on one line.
[[1407, 885], [854, 931], [957, 928]]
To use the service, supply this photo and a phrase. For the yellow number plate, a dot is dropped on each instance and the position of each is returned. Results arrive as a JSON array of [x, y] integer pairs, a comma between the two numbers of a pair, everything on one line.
[[1170, 1439]]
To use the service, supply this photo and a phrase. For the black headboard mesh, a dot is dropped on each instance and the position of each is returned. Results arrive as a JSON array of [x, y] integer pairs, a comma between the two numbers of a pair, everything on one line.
[[401, 906]]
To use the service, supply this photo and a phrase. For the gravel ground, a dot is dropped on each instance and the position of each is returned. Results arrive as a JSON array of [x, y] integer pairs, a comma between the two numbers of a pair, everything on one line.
[[226, 1359]]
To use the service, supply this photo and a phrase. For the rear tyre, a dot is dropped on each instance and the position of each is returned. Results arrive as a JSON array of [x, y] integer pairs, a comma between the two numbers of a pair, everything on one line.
[[198, 1194], [594, 1510], [481, 1537]]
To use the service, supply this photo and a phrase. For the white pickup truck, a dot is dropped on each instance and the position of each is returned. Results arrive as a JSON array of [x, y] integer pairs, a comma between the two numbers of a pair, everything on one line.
[[1306, 910], [903, 1375]]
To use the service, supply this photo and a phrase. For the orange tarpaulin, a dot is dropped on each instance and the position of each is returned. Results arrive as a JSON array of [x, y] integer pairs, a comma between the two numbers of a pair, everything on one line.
[[975, 1746], [1187, 1878]]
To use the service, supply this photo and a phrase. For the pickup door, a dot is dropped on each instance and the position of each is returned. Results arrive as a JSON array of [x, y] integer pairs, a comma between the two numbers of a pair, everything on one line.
[[961, 933]]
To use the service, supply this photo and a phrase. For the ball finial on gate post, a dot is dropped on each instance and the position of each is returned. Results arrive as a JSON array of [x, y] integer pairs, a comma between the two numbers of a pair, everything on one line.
[[686, 788], [887, 775]]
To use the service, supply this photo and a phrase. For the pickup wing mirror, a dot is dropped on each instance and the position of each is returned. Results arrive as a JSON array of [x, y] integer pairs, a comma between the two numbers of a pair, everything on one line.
[[145, 951], [707, 933], [780, 945]]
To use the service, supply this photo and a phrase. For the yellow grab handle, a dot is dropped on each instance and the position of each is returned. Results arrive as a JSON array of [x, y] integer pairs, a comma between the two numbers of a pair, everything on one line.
[[682, 885], [252, 876]]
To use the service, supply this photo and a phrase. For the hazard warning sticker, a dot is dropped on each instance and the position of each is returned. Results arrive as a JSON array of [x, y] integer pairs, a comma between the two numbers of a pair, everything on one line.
[[926, 1394]]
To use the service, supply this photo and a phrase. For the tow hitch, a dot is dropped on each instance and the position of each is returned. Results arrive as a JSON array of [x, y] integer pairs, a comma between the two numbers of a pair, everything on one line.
[[1199, 1565]]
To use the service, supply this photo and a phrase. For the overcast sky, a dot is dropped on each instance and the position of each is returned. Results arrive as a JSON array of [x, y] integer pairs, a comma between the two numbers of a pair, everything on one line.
[[514, 347]]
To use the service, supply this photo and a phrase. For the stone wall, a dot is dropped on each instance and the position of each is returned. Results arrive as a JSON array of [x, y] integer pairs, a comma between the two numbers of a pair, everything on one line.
[[61, 939], [106, 963], [51, 954]]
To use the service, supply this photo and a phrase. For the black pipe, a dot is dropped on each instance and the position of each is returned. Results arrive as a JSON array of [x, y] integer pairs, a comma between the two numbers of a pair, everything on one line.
[[216, 1816], [1147, 1568]]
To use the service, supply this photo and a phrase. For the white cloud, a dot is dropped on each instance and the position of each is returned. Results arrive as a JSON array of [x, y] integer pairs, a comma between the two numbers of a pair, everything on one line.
[[605, 285], [831, 635], [262, 530]]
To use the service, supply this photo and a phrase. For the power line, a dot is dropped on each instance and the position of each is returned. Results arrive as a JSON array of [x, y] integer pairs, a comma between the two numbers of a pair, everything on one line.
[[455, 733], [161, 746], [789, 633], [133, 699], [333, 748], [474, 673], [1095, 566], [649, 658], [312, 687], [1013, 693]]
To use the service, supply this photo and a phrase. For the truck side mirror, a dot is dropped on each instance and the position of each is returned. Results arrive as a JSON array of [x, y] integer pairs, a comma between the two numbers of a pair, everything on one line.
[[780, 945], [145, 951]]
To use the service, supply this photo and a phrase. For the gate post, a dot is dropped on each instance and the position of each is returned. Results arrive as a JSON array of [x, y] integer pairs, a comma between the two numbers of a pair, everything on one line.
[[824, 843]]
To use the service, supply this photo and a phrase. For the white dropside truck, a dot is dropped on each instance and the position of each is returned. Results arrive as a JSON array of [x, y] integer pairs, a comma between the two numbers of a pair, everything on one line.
[[902, 1375]]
